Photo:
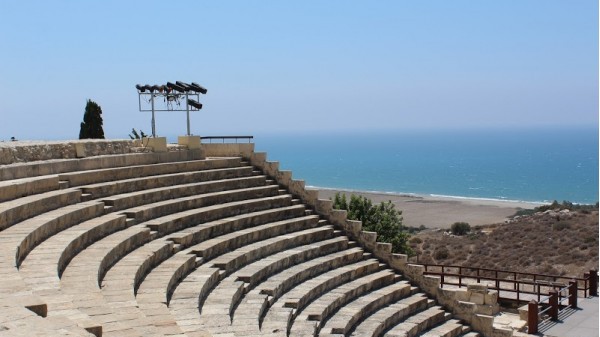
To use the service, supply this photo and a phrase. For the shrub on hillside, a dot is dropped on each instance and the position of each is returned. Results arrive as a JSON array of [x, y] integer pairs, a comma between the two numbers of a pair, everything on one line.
[[559, 226], [460, 228], [383, 219]]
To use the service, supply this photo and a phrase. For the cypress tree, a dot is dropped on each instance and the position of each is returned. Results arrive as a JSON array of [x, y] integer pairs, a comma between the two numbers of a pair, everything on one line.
[[91, 127]]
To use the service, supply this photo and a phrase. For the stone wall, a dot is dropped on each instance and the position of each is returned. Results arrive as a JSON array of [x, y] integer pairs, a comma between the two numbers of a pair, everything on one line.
[[27, 151], [227, 149]]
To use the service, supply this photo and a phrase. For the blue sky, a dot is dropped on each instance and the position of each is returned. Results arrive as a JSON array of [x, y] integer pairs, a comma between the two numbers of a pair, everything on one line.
[[297, 66]]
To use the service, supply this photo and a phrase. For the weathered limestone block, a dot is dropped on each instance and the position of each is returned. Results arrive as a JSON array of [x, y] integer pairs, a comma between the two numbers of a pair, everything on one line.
[[462, 295], [430, 284], [296, 187], [491, 297], [324, 207], [354, 227], [157, 144], [368, 237], [191, 142], [464, 310], [384, 249], [258, 158], [271, 168], [477, 298], [399, 261], [284, 177], [478, 288], [338, 217]]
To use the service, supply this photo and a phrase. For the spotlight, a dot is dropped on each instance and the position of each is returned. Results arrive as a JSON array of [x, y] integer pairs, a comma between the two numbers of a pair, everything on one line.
[[198, 88], [194, 104], [175, 87]]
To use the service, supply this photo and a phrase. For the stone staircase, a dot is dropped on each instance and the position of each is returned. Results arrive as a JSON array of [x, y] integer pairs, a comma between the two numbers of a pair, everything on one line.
[[174, 244]]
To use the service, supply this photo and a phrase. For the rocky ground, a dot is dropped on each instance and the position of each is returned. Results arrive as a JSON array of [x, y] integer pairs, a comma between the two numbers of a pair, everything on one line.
[[558, 242]]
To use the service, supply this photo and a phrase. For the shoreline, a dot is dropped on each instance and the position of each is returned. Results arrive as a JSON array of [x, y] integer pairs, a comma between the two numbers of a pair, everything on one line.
[[436, 211]]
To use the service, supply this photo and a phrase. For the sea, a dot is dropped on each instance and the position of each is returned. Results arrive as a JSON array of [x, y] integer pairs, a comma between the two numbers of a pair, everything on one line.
[[519, 164]]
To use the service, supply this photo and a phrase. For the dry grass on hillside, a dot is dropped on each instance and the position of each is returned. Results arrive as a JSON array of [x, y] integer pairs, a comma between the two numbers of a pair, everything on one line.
[[558, 243]]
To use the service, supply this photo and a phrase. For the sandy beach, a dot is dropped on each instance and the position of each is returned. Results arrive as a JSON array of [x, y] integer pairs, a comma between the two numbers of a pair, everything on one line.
[[442, 212]]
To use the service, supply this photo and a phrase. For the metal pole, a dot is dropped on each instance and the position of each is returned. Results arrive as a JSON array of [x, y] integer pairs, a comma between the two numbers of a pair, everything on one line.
[[153, 122], [187, 110]]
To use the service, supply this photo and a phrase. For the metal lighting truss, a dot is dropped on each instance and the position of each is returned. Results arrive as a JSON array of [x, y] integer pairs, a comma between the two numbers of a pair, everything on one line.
[[172, 94]]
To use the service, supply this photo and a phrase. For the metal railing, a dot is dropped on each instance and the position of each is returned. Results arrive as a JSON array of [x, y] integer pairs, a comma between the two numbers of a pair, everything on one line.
[[512, 285], [554, 304], [223, 138], [552, 291]]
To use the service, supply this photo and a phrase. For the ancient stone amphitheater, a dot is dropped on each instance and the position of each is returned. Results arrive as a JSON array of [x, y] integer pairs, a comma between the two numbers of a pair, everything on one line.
[[97, 239]]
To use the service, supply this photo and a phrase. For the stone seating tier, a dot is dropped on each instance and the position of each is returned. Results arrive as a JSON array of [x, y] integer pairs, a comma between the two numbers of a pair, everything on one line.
[[173, 244]]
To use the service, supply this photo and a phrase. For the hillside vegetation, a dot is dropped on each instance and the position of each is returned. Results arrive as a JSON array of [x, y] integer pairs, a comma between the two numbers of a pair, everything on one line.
[[559, 240]]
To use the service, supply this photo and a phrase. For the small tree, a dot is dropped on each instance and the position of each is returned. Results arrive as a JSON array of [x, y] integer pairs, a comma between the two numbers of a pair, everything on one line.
[[383, 219], [91, 127], [460, 228]]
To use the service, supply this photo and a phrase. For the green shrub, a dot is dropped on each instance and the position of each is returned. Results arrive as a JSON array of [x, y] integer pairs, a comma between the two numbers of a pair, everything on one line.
[[460, 228], [382, 218]]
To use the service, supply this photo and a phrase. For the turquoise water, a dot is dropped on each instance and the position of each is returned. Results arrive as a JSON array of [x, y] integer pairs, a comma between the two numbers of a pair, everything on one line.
[[516, 164]]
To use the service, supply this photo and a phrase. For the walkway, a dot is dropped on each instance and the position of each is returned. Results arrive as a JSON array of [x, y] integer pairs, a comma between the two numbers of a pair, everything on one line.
[[581, 322]]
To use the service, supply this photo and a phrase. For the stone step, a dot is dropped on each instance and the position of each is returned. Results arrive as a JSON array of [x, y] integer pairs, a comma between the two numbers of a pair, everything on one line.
[[34, 231], [391, 315], [418, 323], [57, 166], [98, 175], [105, 189], [162, 208], [18, 188], [305, 292], [323, 307], [356, 311], [147, 196], [242, 256], [449, 328], [204, 231], [15, 211], [213, 217], [250, 275], [221, 244]]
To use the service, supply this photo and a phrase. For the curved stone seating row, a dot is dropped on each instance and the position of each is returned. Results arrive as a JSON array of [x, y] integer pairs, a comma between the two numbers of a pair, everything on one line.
[[57, 166], [23, 179], [132, 199], [190, 247], [104, 189], [18, 188], [345, 319], [14, 211], [125, 241], [80, 178], [50, 227]]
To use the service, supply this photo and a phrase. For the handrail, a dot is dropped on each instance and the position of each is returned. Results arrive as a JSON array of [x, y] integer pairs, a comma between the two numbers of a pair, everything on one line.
[[210, 138], [553, 304], [513, 277]]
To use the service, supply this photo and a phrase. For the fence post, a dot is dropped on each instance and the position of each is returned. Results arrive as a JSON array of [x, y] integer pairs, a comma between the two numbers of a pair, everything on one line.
[[553, 301], [532, 318], [573, 294], [593, 283]]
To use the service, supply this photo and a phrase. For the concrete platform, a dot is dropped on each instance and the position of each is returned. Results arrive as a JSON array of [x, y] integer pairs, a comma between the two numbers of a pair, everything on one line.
[[580, 322]]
